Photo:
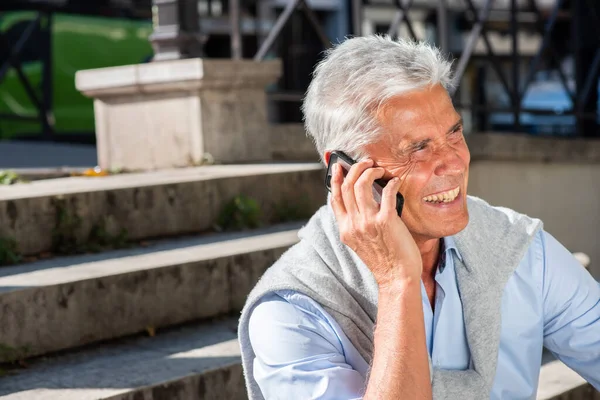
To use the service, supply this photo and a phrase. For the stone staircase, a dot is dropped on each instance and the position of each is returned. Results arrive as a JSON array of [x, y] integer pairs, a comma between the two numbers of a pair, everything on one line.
[[157, 318], [154, 320]]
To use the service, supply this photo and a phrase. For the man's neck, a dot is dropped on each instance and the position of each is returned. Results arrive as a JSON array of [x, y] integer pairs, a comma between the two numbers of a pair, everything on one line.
[[430, 253]]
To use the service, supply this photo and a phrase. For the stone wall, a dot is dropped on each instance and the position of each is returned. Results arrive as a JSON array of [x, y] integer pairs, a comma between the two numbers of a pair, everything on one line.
[[555, 180]]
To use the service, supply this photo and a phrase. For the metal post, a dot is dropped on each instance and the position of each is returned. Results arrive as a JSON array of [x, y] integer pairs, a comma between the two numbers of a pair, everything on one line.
[[176, 30], [398, 18], [494, 61], [236, 37], [550, 49], [15, 49], [401, 15], [516, 100], [442, 26], [357, 17], [314, 21], [592, 79], [545, 40], [470, 45], [281, 21], [46, 114], [264, 14], [585, 42]]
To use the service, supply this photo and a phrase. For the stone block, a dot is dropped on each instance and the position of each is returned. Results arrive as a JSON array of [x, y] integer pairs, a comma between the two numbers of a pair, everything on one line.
[[65, 303], [289, 142], [559, 382], [177, 113], [224, 383], [151, 204]]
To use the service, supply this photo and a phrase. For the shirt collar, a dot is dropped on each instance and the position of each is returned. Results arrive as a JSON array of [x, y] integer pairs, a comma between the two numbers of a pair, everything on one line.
[[449, 246]]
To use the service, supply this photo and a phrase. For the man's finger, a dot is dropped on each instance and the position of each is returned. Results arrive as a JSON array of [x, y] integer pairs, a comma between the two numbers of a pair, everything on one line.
[[337, 201], [348, 186], [363, 190], [388, 197]]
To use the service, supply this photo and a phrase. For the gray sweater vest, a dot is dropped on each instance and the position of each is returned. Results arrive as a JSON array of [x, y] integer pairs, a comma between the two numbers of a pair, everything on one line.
[[326, 270]]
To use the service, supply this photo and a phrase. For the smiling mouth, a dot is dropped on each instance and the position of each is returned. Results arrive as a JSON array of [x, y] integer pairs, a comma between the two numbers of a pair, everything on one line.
[[443, 197]]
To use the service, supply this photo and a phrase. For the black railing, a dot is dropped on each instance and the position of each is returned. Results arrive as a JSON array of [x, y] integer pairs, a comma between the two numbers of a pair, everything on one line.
[[181, 33], [513, 82], [283, 20], [585, 25], [39, 31]]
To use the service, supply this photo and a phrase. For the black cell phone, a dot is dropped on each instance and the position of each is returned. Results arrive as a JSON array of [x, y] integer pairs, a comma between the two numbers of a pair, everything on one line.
[[338, 157]]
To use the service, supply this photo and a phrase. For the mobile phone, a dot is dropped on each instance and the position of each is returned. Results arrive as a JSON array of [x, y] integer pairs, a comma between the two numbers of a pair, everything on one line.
[[338, 157]]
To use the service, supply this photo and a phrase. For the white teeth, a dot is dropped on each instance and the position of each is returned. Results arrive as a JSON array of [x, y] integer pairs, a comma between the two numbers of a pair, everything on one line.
[[445, 197]]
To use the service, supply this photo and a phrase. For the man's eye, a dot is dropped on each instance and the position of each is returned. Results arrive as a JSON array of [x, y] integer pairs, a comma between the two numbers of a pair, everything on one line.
[[458, 130], [456, 133]]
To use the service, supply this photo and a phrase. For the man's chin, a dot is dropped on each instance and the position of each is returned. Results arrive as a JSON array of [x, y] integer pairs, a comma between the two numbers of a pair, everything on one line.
[[444, 225], [438, 226], [458, 225]]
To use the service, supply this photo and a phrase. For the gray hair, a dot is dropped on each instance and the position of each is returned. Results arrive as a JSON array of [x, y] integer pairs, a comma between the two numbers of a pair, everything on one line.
[[355, 78]]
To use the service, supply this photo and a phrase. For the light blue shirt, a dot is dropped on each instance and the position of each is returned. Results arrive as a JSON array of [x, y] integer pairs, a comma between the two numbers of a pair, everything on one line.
[[550, 300]]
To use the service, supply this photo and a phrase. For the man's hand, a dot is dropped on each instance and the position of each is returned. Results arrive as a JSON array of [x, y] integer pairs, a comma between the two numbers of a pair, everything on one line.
[[400, 368], [375, 233]]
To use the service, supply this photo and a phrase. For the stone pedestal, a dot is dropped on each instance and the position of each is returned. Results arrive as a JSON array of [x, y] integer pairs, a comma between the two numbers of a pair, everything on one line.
[[178, 113]]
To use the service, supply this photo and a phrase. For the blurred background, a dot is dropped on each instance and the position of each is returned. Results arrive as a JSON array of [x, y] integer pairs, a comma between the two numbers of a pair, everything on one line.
[[153, 164], [546, 49]]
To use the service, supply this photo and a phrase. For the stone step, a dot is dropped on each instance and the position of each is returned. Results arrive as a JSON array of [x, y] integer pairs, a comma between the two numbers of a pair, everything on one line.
[[193, 362], [53, 214], [68, 302], [559, 382]]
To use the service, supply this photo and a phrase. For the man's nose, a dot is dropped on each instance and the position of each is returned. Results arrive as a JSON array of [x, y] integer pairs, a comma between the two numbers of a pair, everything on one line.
[[449, 162]]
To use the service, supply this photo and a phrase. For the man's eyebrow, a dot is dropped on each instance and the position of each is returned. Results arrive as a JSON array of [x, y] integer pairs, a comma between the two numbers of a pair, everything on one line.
[[456, 125], [419, 144]]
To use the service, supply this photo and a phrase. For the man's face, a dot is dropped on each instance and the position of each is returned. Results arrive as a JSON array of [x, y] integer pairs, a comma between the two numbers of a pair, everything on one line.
[[424, 145]]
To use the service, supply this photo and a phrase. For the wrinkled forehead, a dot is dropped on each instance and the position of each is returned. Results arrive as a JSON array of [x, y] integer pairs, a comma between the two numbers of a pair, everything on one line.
[[419, 112], [416, 105]]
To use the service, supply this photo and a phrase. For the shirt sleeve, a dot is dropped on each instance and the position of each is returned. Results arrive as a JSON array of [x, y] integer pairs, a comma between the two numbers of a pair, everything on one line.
[[298, 353], [571, 298]]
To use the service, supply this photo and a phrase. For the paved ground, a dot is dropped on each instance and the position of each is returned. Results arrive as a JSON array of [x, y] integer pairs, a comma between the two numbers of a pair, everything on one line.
[[33, 155]]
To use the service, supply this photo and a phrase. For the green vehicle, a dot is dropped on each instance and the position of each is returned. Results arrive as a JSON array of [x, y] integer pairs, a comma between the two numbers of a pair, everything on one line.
[[78, 42]]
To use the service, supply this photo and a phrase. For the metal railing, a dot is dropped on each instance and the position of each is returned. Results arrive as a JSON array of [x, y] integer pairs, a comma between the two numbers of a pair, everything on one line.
[[38, 29], [180, 32], [584, 98], [515, 88]]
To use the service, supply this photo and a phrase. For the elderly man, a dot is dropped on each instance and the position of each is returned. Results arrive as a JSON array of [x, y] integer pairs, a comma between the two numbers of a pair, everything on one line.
[[454, 300]]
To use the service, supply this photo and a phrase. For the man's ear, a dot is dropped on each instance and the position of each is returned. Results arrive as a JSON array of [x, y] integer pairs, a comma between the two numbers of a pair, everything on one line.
[[326, 157]]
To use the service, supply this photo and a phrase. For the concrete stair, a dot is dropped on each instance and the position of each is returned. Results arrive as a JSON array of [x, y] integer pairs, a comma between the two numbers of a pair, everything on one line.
[[559, 382], [81, 322], [85, 324], [193, 362], [68, 302], [152, 204]]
